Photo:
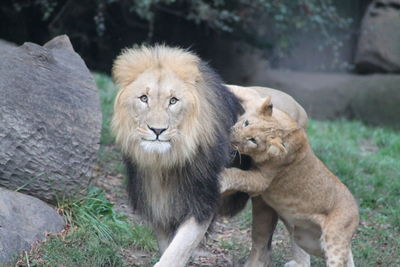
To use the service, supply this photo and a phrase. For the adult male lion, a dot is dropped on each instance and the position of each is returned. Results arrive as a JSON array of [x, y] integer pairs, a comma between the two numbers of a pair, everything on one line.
[[172, 120]]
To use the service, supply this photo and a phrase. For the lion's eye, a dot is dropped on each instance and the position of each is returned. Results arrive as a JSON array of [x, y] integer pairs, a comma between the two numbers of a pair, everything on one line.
[[144, 98], [251, 139], [173, 100], [245, 123]]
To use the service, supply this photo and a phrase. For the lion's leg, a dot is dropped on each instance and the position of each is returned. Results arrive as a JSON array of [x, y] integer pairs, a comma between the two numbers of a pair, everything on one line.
[[264, 223], [300, 257], [163, 238], [183, 244]]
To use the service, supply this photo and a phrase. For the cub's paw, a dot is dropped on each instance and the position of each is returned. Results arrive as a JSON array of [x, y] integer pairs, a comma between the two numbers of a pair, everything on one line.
[[293, 263]]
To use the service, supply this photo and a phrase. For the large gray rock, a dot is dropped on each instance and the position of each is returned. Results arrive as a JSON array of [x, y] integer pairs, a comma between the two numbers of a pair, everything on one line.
[[23, 221], [373, 99], [378, 47], [376, 100], [50, 120], [5, 45]]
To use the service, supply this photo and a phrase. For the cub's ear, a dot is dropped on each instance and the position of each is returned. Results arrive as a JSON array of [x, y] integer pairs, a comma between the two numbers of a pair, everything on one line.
[[266, 107]]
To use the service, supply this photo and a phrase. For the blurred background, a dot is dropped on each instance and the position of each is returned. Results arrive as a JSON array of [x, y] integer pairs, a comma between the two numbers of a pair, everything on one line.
[[300, 35], [313, 50]]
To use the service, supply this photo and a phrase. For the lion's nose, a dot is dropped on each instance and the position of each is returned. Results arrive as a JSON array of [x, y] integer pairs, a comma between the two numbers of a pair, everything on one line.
[[157, 131]]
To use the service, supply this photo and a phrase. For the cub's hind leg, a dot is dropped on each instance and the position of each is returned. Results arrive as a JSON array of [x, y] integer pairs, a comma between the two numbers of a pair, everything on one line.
[[264, 223], [338, 252], [336, 239], [350, 261]]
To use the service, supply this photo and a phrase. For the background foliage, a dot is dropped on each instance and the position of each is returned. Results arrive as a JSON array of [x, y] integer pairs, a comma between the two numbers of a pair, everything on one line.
[[100, 28]]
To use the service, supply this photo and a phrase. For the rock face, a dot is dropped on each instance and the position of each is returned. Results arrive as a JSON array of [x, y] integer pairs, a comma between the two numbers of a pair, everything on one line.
[[23, 220], [379, 43], [5, 45], [373, 99], [50, 120]]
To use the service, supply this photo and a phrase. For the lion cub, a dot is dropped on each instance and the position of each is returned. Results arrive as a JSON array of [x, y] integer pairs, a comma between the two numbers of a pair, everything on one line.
[[318, 210]]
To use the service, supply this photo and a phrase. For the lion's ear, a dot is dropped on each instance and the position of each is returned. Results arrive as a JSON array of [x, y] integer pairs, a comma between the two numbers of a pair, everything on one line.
[[266, 107]]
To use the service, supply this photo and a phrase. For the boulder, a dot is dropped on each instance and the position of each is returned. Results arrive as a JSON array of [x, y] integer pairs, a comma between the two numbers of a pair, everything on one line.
[[5, 45], [50, 120], [376, 100], [371, 98], [378, 47], [23, 221]]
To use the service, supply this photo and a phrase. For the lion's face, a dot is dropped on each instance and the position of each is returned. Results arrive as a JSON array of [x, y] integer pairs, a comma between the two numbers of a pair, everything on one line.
[[166, 109], [158, 103]]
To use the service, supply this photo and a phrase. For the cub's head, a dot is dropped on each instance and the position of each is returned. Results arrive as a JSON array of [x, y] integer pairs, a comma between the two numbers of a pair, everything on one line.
[[158, 116], [258, 134]]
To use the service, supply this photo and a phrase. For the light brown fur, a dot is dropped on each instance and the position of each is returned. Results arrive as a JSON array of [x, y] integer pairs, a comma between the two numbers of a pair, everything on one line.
[[160, 72], [171, 110], [318, 210]]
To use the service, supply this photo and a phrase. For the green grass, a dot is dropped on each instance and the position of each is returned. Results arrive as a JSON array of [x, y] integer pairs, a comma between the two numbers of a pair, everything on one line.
[[108, 152], [107, 92], [96, 235], [366, 159]]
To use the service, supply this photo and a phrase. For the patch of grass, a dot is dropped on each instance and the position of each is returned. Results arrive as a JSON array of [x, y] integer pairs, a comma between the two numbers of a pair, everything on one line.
[[107, 92], [367, 160], [96, 235], [236, 247]]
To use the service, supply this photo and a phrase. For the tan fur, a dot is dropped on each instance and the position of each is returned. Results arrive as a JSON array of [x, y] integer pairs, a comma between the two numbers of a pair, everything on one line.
[[138, 72], [149, 79], [318, 210]]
